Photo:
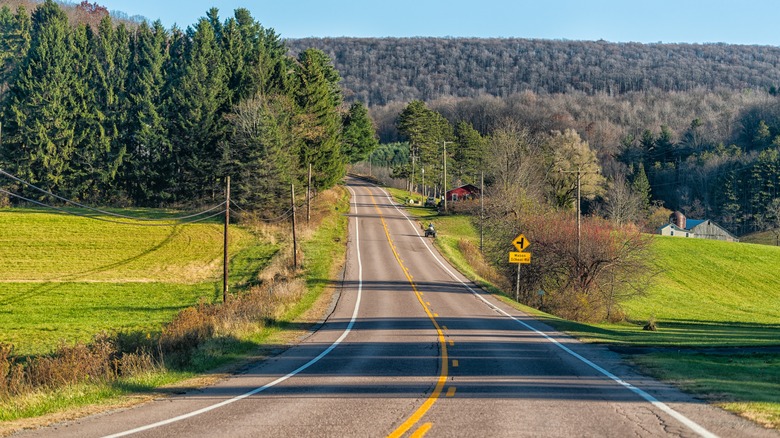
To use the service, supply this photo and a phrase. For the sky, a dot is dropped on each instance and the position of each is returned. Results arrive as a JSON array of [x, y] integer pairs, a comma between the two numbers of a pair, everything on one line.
[[644, 21]]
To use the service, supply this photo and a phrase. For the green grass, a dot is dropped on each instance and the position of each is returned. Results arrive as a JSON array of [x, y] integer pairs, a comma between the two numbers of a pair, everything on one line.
[[90, 306], [67, 278], [744, 383], [322, 251]]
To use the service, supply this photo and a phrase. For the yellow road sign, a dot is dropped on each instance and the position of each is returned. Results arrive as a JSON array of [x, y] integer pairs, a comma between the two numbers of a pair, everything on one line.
[[520, 257], [521, 243]]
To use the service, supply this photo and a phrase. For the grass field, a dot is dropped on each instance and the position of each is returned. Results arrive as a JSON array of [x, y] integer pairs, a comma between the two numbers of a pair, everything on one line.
[[66, 278], [709, 299]]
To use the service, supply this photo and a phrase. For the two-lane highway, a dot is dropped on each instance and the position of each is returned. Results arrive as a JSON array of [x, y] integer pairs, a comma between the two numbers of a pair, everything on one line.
[[412, 349]]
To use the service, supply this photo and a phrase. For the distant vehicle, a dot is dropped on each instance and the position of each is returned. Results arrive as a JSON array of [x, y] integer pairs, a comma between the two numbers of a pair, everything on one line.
[[430, 202], [430, 231]]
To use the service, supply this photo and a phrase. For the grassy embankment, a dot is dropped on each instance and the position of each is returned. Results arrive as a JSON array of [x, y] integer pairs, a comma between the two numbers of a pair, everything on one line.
[[68, 278], [709, 299]]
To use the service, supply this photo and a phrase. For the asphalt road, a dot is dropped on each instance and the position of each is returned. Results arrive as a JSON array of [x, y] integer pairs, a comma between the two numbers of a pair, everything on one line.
[[412, 349]]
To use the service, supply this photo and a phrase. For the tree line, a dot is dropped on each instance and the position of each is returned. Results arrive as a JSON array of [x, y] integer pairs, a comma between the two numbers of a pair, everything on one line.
[[103, 112], [535, 183]]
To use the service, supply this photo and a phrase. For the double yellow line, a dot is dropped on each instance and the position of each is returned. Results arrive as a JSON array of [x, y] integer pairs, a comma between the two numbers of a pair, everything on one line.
[[437, 390]]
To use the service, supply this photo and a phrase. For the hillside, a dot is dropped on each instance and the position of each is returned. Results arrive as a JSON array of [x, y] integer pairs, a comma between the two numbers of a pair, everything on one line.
[[378, 71], [704, 281]]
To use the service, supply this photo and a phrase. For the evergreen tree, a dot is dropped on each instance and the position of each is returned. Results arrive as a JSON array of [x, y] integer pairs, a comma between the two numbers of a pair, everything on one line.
[[91, 170], [14, 43], [470, 154], [426, 130], [197, 104], [148, 171], [641, 187], [359, 135], [39, 141], [664, 145], [258, 156], [319, 97]]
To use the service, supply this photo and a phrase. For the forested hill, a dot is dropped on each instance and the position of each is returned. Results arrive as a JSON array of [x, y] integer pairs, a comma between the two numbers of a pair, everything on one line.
[[382, 70]]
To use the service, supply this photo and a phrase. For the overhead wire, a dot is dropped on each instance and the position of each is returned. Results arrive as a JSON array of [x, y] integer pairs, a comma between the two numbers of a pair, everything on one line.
[[104, 212], [102, 219]]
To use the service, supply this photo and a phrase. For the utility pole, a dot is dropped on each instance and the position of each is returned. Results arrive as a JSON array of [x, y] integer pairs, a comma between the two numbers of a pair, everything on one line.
[[482, 213], [444, 180], [225, 242], [579, 173], [308, 198], [422, 171], [579, 217], [295, 239], [411, 183]]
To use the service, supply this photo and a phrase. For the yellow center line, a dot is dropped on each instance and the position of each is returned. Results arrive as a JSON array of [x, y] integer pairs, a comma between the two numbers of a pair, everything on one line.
[[418, 414], [422, 430], [450, 391], [454, 363]]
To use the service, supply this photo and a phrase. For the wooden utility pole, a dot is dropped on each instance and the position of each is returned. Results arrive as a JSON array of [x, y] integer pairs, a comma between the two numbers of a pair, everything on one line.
[[308, 198], [295, 238], [482, 213], [444, 180], [225, 242]]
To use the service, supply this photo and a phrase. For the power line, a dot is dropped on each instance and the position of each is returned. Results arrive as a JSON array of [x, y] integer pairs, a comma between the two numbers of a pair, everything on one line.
[[104, 212], [98, 218]]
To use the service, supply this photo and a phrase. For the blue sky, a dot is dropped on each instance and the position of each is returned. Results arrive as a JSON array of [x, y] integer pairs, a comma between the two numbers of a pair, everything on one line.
[[646, 21]]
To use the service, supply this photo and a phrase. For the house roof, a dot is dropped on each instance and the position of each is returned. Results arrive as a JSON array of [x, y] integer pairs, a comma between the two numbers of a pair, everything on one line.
[[690, 223], [468, 187]]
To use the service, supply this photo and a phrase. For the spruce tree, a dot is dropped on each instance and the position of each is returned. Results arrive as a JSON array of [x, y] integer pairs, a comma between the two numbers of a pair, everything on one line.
[[319, 97], [359, 134], [470, 154], [148, 171], [197, 104], [38, 144], [14, 43]]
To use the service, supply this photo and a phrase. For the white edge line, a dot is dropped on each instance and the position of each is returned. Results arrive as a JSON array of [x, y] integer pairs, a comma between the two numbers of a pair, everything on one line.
[[280, 379], [655, 402]]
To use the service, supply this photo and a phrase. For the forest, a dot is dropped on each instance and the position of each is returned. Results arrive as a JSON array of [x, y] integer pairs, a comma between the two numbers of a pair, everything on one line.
[[378, 71], [117, 112]]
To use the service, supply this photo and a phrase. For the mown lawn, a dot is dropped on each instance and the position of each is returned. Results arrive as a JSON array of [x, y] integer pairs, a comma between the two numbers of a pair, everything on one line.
[[67, 278]]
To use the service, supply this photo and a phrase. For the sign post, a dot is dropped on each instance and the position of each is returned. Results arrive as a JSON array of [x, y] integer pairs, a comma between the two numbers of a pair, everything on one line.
[[520, 258]]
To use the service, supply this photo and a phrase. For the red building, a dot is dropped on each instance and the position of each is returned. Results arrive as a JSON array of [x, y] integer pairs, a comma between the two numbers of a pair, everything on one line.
[[468, 191]]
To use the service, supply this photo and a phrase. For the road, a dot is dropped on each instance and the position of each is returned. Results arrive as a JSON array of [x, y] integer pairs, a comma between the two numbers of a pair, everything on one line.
[[413, 349]]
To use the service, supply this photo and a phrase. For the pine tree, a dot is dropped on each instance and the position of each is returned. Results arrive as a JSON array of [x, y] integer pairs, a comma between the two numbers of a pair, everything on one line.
[[197, 103], [359, 135], [426, 130], [14, 43], [91, 146], [641, 186], [38, 143], [148, 172], [470, 154], [319, 97], [258, 156]]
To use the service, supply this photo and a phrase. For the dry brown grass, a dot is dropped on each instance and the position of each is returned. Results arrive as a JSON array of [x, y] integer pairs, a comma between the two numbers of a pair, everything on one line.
[[481, 267]]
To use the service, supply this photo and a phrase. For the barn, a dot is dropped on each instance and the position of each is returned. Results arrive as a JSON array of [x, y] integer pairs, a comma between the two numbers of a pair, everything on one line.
[[468, 191], [680, 226]]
